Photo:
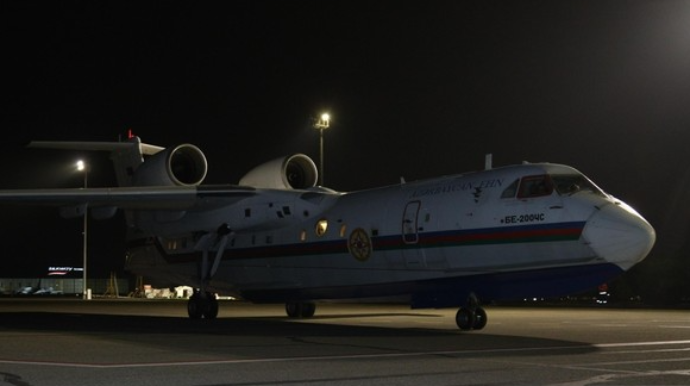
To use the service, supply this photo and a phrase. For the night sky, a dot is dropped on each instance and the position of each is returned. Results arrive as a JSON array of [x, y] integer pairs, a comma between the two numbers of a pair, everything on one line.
[[415, 89]]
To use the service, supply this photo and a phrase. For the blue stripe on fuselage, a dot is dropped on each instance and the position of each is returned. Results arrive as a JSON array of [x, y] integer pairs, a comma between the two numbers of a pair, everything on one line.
[[534, 233]]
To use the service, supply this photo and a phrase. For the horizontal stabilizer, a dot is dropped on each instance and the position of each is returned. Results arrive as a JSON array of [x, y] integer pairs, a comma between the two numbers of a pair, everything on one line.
[[145, 149]]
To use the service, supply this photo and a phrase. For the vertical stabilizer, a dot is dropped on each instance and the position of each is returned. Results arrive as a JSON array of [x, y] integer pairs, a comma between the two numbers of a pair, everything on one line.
[[127, 159], [126, 156]]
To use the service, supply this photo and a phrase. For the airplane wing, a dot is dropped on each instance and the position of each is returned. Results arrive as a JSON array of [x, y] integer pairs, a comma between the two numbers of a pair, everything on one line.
[[170, 179], [154, 198]]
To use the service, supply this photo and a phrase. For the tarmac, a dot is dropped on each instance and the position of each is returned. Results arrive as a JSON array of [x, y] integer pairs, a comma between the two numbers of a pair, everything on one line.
[[152, 342]]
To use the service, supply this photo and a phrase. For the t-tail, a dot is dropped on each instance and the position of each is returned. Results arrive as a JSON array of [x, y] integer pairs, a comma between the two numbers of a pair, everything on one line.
[[142, 164]]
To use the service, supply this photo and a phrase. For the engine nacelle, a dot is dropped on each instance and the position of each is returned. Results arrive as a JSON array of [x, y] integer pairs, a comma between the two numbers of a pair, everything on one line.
[[183, 165], [294, 172]]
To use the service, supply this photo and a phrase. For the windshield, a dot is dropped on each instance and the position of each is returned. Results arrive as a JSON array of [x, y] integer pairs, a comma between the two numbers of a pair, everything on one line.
[[569, 184], [535, 186]]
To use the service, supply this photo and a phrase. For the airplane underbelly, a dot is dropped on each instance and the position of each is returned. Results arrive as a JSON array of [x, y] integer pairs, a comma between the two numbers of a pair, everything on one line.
[[488, 258], [339, 271], [415, 258]]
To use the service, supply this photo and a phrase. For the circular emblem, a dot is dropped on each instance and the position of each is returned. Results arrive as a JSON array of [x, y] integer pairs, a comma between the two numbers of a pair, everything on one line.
[[359, 244]]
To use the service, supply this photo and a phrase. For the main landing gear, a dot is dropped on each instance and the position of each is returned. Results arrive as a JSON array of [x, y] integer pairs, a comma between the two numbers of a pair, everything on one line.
[[300, 310], [472, 317], [202, 304]]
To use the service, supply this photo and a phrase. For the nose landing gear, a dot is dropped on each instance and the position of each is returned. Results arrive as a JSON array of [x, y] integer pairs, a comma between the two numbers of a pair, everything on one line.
[[472, 317], [468, 319], [300, 310]]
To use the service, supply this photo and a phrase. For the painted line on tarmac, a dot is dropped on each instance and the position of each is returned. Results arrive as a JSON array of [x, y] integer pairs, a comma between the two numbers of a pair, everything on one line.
[[632, 344], [335, 357]]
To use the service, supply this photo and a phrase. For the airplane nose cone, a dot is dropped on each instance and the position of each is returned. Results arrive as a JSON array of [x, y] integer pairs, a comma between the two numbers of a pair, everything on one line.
[[619, 234]]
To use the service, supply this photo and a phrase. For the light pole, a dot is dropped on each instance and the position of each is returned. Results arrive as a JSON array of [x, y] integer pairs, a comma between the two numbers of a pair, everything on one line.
[[83, 167], [321, 125]]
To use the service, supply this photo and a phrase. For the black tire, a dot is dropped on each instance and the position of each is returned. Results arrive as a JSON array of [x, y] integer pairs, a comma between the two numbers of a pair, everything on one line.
[[293, 310], [465, 319], [480, 319], [308, 310], [194, 307], [211, 306]]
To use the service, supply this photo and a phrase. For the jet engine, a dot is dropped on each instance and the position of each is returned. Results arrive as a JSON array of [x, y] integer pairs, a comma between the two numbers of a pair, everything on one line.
[[183, 165], [293, 172]]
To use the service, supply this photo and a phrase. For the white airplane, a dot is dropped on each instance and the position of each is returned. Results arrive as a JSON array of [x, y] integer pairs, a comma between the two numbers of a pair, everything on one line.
[[514, 232]]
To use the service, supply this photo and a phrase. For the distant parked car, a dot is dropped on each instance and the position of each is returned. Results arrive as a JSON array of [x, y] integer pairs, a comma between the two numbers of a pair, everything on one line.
[[48, 291], [25, 291]]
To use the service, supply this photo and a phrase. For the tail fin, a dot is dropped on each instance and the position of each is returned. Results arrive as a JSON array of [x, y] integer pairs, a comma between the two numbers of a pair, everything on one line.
[[126, 156]]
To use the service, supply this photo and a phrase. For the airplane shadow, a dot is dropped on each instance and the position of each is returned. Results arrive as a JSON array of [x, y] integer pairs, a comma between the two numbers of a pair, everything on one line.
[[271, 336], [369, 315]]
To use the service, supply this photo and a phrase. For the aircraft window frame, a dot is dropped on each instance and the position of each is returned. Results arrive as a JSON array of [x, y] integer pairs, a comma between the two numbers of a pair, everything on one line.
[[511, 190], [569, 184], [539, 185]]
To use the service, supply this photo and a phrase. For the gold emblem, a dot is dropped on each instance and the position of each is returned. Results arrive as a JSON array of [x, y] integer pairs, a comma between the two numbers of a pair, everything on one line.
[[359, 244]]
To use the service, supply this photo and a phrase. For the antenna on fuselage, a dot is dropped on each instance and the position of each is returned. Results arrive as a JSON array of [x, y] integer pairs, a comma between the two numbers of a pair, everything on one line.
[[488, 160]]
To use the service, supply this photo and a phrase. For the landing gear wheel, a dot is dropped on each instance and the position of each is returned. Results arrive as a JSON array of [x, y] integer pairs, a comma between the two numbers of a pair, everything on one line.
[[480, 319], [194, 308], [468, 319], [300, 310], [465, 319], [200, 306], [211, 311], [308, 310], [293, 310]]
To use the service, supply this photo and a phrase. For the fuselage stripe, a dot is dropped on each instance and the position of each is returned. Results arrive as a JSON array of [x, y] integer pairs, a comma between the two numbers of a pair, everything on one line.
[[486, 236]]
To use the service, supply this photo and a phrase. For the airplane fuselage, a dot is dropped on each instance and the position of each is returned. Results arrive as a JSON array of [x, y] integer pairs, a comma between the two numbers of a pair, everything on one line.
[[532, 230]]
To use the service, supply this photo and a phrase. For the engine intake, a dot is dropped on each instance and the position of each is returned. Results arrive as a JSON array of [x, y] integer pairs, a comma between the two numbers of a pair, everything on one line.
[[183, 165], [297, 171]]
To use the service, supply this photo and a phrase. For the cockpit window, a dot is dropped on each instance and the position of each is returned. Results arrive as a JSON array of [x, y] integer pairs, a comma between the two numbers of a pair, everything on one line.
[[535, 186], [569, 184]]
